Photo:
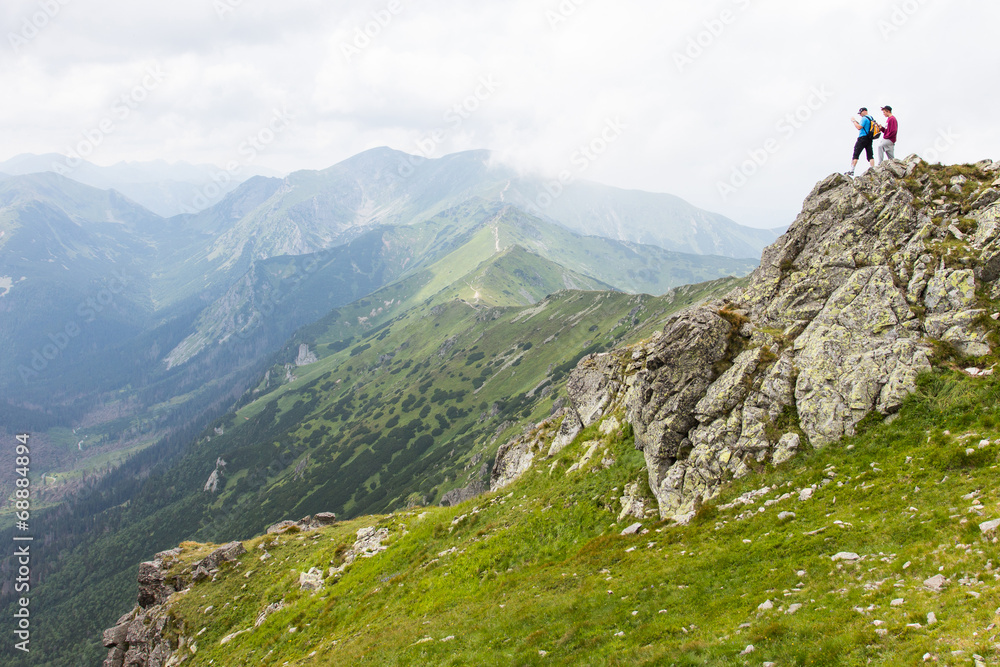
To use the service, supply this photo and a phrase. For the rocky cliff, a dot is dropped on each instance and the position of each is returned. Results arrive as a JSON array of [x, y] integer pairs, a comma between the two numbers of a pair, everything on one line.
[[876, 276], [149, 636]]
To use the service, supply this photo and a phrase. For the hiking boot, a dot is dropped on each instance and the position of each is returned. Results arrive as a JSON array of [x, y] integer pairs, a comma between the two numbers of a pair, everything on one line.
[[850, 173]]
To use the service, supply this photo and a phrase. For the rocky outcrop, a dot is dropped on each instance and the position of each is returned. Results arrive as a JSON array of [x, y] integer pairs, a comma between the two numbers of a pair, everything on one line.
[[144, 637], [215, 479], [368, 544], [515, 456], [139, 638], [457, 496], [305, 356], [838, 321], [304, 524]]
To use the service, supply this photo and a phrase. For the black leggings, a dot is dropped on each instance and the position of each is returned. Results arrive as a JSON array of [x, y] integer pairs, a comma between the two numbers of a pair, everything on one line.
[[864, 144]]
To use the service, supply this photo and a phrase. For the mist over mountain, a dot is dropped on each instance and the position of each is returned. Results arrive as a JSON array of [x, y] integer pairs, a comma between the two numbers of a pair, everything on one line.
[[164, 188], [98, 293]]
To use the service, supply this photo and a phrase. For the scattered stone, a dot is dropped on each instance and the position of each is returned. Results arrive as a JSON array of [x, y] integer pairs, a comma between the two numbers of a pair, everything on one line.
[[200, 574], [766, 605], [267, 611], [230, 637], [989, 528], [632, 503], [311, 580], [368, 544], [793, 608], [845, 556], [898, 602], [633, 529], [782, 516], [805, 494], [931, 618], [225, 553], [935, 583], [748, 650]]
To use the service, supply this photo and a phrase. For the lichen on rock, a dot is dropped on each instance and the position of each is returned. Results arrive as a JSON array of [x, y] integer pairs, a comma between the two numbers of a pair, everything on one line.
[[836, 322]]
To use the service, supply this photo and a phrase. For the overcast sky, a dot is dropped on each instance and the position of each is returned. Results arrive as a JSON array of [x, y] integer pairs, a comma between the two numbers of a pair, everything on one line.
[[669, 96]]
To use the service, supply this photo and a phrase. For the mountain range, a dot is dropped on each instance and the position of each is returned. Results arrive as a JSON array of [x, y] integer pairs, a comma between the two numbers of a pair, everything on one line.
[[426, 311], [164, 188]]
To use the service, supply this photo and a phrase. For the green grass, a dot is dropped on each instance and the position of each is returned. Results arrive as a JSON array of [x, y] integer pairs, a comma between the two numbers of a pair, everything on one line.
[[540, 565]]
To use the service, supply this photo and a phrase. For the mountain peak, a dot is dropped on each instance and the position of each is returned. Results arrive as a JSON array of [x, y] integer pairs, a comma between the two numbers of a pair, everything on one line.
[[836, 324]]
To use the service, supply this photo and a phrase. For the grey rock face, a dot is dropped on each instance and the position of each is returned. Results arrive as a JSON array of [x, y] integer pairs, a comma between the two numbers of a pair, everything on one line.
[[152, 590], [304, 524], [227, 552], [515, 456], [305, 356], [832, 326], [456, 496], [141, 637]]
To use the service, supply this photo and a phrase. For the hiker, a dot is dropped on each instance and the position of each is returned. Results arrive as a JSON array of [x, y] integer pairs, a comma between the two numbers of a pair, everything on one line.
[[865, 139], [887, 146]]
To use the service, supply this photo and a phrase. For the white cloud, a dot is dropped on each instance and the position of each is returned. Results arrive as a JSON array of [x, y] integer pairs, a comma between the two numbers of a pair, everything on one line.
[[559, 81]]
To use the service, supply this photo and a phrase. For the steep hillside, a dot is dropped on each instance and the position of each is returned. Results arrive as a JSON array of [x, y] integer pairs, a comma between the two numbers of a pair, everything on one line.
[[412, 411], [881, 551], [814, 450]]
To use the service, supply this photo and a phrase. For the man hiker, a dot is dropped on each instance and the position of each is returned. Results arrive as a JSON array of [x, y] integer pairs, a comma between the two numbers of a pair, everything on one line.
[[887, 146], [865, 138]]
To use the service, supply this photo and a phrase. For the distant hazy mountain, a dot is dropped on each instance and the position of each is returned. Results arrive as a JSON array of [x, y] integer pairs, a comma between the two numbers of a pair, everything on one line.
[[312, 210], [642, 217], [163, 187]]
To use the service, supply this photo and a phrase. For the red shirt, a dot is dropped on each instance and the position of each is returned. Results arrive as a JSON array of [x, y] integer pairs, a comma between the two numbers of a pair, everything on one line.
[[891, 126]]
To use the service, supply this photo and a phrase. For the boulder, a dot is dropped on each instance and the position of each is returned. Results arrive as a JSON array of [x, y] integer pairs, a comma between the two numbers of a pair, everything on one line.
[[633, 529], [311, 580], [989, 528], [935, 583], [225, 553]]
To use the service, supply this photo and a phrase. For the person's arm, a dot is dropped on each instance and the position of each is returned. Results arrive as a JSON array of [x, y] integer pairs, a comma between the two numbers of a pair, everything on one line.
[[856, 123]]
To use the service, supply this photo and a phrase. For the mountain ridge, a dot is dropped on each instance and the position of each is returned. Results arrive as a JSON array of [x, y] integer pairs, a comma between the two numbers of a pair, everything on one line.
[[880, 281]]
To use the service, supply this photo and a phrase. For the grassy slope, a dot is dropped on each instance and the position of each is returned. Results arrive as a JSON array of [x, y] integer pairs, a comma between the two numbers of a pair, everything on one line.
[[540, 566], [450, 370]]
